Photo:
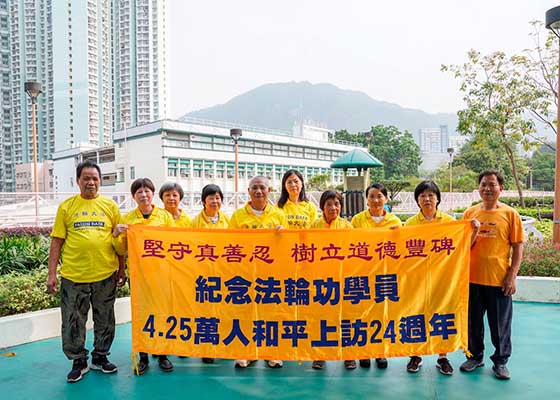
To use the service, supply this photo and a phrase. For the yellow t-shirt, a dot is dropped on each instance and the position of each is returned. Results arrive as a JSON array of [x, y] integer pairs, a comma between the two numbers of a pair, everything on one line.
[[490, 255], [419, 219], [86, 227], [338, 223], [203, 221], [365, 220], [299, 216], [245, 218], [158, 217], [183, 221]]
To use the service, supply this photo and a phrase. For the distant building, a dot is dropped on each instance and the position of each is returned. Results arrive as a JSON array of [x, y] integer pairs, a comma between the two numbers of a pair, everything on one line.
[[195, 154], [24, 177], [102, 65]]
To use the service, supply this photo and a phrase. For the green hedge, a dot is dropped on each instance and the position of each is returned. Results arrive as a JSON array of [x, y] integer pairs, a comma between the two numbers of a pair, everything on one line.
[[23, 253], [24, 292], [544, 202], [540, 259]]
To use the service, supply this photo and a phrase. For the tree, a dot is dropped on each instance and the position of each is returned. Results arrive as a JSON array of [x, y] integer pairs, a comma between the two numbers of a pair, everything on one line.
[[464, 179], [482, 153], [542, 168], [541, 68], [318, 182], [397, 151], [497, 93]]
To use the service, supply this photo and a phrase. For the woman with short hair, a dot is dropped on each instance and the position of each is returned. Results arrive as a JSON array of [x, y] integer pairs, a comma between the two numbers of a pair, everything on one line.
[[146, 213], [171, 194]]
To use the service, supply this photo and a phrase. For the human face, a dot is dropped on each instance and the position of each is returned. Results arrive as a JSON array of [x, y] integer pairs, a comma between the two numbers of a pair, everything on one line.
[[171, 200], [259, 191], [331, 209], [490, 189], [293, 185], [375, 201], [427, 200], [212, 204], [144, 197], [88, 182]]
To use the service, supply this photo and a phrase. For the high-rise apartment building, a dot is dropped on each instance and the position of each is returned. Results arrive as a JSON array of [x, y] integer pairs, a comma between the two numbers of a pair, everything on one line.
[[102, 64], [139, 62]]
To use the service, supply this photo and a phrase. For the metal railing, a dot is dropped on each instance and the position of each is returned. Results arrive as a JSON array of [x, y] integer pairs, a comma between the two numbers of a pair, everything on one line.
[[18, 209]]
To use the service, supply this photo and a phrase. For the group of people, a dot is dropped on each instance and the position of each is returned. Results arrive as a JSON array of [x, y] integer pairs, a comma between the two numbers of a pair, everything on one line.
[[89, 243]]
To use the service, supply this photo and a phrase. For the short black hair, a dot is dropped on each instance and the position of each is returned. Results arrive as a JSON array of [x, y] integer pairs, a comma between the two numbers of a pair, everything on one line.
[[87, 164], [489, 172], [169, 186], [379, 187], [327, 195], [140, 183], [427, 185], [209, 190]]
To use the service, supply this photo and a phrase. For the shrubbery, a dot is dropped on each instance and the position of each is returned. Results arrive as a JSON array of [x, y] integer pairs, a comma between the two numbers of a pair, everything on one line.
[[24, 254]]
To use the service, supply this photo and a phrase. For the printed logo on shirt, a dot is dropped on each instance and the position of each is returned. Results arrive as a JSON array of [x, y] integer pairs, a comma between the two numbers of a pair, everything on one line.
[[488, 229], [89, 224]]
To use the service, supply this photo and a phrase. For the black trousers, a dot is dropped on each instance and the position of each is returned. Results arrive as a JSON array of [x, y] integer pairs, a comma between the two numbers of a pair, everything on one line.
[[499, 309]]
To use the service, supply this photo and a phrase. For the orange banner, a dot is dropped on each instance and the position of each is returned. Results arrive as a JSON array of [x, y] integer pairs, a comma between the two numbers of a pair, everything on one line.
[[299, 295]]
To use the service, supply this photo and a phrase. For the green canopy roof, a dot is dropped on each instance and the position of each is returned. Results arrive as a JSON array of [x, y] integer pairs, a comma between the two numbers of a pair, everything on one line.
[[357, 159]]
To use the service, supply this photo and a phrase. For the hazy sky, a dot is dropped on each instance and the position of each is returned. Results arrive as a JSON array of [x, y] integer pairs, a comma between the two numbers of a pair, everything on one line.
[[391, 50]]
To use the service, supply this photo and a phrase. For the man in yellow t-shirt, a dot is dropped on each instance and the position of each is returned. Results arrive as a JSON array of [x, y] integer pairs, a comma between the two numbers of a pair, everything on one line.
[[258, 214], [82, 242], [493, 274]]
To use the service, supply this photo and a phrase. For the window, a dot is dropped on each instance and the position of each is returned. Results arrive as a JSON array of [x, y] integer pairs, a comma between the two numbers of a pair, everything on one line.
[[132, 173]]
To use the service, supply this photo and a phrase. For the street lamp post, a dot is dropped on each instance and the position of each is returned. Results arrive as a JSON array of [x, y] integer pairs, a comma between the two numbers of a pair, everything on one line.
[[553, 23], [235, 135], [33, 90], [450, 151]]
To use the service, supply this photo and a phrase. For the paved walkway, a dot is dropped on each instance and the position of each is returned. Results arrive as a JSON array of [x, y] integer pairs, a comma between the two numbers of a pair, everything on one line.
[[38, 371]]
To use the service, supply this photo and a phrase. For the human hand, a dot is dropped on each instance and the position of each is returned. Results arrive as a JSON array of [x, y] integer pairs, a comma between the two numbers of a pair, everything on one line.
[[52, 284]]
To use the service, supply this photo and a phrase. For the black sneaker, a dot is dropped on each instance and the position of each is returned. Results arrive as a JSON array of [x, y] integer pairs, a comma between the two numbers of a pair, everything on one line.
[[381, 362], [444, 366], [100, 363], [350, 364], [365, 363], [207, 360], [165, 364], [501, 371], [143, 365], [471, 364], [79, 368], [414, 364], [318, 364]]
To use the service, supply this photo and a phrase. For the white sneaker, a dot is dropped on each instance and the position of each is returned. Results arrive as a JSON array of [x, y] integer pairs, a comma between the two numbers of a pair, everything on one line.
[[243, 363], [275, 363]]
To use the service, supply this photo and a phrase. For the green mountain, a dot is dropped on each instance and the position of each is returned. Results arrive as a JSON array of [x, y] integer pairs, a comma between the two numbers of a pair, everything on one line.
[[281, 105]]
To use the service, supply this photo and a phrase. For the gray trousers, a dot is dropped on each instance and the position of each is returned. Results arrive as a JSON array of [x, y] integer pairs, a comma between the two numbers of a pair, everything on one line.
[[75, 301]]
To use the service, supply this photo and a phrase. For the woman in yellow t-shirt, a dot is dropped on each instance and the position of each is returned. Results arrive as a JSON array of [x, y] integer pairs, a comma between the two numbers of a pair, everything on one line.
[[293, 201], [146, 213], [374, 217], [428, 197], [331, 205], [211, 218], [211, 215], [171, 194]]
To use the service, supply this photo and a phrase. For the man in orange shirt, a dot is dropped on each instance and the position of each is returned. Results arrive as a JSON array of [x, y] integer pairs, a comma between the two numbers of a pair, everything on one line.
[[493, 274]]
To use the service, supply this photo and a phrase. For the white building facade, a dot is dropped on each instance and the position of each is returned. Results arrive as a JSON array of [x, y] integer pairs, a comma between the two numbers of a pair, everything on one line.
[[195, 155]]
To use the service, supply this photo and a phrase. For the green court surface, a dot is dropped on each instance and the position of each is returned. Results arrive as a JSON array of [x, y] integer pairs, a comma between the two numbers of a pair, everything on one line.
[[38, 371]]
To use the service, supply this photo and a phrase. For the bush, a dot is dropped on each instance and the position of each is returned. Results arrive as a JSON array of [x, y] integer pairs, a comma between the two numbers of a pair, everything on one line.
[[26, 231], [540, 259], [20, 293], [25, 292], [23, 253]]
